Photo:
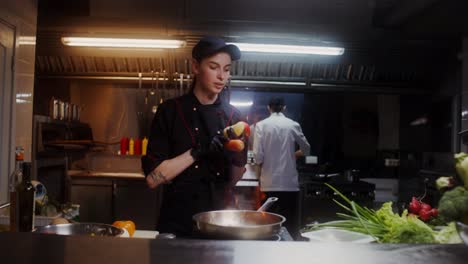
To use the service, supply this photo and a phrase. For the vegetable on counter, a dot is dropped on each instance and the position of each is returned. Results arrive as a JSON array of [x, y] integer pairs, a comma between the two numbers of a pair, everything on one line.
[[386, 226], [453, 205], [446, 182], [461, 165], [421, 209], [127, 225]]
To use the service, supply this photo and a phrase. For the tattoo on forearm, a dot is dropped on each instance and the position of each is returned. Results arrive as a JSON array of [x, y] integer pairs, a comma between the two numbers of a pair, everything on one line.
[[158, 177]]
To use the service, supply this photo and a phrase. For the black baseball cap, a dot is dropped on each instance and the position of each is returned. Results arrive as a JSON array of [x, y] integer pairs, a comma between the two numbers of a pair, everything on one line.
[[211, 45]]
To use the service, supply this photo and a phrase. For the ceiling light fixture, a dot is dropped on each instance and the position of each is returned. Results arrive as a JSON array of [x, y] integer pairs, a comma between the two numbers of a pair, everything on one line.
[[267, 82], [123, 42], [241, 103], [292, 49]]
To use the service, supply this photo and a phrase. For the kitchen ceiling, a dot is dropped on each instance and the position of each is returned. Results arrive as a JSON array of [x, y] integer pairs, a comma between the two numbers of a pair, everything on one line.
[[386, 41]]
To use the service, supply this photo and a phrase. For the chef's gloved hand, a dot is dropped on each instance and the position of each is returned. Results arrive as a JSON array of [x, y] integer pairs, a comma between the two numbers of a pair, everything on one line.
[[216, 146], [236, 151], [240, 130], [237, 135], [237, 158]]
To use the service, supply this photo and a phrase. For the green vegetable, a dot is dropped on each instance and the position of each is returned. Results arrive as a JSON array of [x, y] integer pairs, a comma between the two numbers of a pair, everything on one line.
[[408, 229], [461, 165], [453, 205], [383, 224], [404, 228], [448, 235], [444, 182]]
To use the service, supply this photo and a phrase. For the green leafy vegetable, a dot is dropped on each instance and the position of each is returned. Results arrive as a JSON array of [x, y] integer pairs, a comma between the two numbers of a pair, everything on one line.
[[453, 205], [445, 182], [383, 224], [449, 235], [461, 165], [408, 230]]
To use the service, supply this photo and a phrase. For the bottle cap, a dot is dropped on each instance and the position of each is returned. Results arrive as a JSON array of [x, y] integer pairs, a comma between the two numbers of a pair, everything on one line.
[[19, 153]]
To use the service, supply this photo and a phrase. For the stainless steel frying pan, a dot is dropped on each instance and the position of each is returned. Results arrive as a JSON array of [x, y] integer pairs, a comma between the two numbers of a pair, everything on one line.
[[240, 224]]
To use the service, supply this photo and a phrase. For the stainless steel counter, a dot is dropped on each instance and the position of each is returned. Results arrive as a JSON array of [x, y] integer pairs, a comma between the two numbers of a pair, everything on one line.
[[51, 249], [246, 181], [106, 174]]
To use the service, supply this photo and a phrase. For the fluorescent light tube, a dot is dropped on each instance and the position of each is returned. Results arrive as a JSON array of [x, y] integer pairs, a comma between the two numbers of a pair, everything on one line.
[[292, 49], [122, 42], [27, 40], [241, 104], [267, 82]]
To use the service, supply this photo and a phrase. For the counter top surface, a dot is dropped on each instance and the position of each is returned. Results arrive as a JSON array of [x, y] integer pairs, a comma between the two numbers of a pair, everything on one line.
[[51, 249], [135, 176], [87, 173]]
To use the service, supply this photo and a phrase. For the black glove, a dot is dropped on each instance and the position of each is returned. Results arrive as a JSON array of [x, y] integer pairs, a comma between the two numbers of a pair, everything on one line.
[[216, 146], [230, 133], [238, 159]]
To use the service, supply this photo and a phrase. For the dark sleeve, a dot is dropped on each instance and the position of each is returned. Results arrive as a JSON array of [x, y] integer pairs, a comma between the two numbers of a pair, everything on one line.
[[159, 138], [241, 158]]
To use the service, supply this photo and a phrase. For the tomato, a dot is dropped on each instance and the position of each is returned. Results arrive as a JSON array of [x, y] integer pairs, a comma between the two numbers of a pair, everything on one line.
[[128, 225]]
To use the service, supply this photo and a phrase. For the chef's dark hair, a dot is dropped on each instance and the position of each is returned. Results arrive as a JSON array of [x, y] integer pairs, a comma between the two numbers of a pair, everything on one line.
[[276, 104]]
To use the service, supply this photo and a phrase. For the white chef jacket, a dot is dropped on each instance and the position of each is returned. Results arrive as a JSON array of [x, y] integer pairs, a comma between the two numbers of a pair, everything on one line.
[[274, 150]]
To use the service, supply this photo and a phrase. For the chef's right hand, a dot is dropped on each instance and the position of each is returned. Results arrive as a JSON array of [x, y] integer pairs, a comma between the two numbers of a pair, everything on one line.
[[216, 146]]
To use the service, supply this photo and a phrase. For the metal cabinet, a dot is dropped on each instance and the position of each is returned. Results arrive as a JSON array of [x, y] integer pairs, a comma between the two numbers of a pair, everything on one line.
[[94, 197], [134, 201], [104, 200]]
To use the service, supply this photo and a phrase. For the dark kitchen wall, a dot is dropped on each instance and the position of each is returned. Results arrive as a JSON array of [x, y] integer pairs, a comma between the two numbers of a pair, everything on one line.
[[464, 90], [345, 129], [45, 89]]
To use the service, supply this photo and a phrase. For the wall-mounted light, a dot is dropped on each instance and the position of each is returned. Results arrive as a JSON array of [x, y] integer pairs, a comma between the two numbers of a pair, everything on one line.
[[23, 98], [27, 40], [291, 49], [123, 42]]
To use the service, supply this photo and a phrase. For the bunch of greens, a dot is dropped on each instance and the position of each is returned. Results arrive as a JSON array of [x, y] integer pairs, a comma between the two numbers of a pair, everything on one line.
[[453, 205], [384, 225]]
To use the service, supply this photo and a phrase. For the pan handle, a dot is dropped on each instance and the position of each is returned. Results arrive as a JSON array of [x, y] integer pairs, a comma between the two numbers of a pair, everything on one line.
[[267, 204]]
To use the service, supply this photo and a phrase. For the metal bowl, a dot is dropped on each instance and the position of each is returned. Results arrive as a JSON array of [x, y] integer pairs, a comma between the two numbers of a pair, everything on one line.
[[86, 229]]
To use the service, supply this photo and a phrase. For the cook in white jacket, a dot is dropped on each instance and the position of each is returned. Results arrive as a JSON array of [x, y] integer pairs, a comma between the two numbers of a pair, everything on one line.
[[274, 150]]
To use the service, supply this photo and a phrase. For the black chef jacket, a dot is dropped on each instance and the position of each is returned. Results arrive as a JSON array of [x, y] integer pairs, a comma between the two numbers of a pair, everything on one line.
[[180, 124]]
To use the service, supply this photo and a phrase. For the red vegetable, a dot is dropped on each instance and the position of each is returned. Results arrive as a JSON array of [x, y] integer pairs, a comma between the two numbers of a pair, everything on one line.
[[434, 212], [425, 207], [425, 215], [415, 206]]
